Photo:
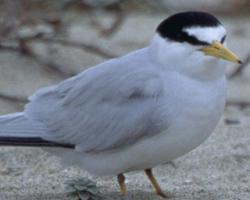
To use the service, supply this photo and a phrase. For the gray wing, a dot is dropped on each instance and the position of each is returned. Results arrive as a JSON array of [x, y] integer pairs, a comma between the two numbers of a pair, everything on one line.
[[103, 108]]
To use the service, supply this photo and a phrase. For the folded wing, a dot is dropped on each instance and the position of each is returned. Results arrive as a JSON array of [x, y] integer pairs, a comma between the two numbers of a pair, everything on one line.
[[104, 108]]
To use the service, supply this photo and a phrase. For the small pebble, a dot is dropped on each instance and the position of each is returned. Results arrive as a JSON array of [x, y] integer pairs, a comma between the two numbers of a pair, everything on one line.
[[231, 121]]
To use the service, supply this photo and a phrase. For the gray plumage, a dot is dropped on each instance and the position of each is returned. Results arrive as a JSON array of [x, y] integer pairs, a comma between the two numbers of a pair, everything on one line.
[[103, 108]]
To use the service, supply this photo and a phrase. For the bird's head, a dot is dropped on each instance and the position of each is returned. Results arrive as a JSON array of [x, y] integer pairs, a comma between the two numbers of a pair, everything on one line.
[[192, 38]]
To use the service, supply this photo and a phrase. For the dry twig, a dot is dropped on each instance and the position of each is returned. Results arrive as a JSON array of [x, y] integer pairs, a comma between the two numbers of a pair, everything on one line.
[[241, 104], [119, 18], [86, 47], [25, 50], [14, 99]]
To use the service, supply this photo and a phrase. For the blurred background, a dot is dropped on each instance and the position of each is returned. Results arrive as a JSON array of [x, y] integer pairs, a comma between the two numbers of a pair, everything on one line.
[[43, 42]]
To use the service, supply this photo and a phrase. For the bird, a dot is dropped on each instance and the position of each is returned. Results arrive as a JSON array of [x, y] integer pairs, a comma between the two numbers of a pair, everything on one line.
[[137, 111]]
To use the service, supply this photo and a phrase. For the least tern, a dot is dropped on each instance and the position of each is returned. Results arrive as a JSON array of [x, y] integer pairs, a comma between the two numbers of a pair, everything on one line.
[[137, 111]]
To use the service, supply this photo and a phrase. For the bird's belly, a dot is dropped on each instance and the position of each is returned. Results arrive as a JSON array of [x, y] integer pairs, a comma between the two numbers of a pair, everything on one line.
[[191, 130], [190, 124]]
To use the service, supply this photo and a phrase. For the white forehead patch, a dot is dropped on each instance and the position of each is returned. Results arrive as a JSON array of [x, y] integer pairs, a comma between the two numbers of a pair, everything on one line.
[[206, 34]]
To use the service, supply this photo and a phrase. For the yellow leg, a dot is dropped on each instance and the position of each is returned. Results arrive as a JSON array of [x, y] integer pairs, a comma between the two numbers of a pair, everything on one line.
[[154, 183], [121, 181]]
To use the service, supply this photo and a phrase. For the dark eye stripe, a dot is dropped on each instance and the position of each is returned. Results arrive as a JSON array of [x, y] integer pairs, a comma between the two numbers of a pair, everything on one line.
[[223, 39]]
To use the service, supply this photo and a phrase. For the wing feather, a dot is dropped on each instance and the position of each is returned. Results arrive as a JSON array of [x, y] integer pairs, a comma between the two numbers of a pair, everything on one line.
[[103, 108]]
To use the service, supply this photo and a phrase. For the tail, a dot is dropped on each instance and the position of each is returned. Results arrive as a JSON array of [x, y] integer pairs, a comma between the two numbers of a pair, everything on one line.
[[18, 130]]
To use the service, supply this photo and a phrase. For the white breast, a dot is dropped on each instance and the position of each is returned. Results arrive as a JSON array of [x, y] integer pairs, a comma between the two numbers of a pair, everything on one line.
[[192, 111]]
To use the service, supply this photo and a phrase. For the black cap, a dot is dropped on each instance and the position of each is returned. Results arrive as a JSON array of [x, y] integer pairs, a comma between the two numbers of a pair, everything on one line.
[[172, 27]]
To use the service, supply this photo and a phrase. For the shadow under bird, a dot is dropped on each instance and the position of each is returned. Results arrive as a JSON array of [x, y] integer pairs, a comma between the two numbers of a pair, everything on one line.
[[137, 111]]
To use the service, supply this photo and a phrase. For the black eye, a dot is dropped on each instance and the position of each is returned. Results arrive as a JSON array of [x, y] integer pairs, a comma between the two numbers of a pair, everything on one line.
[[223, 39]]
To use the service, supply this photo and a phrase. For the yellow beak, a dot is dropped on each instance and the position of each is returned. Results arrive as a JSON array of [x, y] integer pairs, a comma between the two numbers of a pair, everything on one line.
[[217, 50]]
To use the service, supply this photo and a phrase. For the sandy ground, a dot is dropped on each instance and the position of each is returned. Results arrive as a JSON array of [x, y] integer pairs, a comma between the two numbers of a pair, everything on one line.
[[219, 169]]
